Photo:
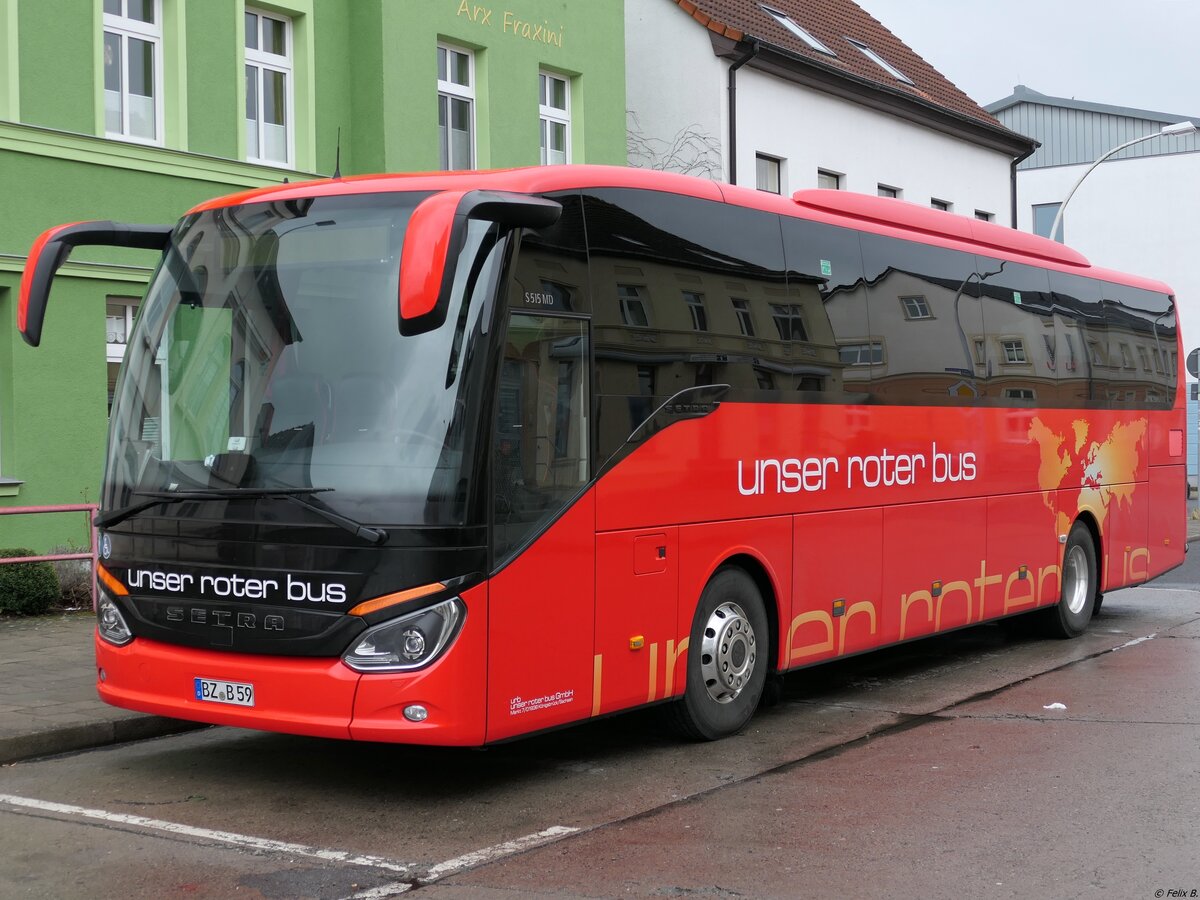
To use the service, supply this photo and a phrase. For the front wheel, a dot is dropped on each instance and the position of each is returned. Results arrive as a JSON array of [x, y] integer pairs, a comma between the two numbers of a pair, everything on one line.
[[1080, 586], [728, 654]]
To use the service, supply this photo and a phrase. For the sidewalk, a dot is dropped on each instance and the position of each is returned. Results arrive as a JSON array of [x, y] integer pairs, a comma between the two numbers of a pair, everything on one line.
[[48, 701]]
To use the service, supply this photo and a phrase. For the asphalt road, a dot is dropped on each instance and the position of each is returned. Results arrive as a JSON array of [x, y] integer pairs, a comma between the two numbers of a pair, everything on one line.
[[981, 763]]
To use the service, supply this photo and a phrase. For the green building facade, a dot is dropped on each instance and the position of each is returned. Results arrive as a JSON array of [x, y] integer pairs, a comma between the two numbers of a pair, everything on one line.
[[136, 110]]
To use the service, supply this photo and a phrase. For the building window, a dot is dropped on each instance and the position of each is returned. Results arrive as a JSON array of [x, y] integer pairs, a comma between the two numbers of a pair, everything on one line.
[[980, 351], [118, 323], [1019, 394], [1096, 354], [1142, 355], [767, 174], [789, 321], [269, 134], [1014, 351], [1071, 351], [1126, 356], [133, 70], [880, 61], [861, 354], [984, 216], [884, 190], [765, 380], [741, 309], [786, 21], [1051, 350], [633, 305], [915, 307], [554, 111], [831, 181], [456, 107], [1043, 218], [943, 205], [695, 304]]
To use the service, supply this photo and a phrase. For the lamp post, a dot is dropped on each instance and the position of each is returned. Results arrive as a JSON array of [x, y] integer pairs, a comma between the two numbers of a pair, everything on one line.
[[1178, 129]]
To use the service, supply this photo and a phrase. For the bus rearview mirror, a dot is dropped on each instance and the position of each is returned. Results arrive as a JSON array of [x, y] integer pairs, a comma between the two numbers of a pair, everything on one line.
[[435, 237], [51, 250]]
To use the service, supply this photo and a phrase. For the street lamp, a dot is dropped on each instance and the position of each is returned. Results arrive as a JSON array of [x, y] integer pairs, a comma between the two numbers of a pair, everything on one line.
[[1176, 130]]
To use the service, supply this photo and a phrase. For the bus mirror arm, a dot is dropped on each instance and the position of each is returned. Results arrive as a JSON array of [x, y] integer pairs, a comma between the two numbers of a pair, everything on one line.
[[51, 250], [436, 235]]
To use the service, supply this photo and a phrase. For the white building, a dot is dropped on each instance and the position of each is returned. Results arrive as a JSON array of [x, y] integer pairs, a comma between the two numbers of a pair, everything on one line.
[[1137, 212], [788, 95]]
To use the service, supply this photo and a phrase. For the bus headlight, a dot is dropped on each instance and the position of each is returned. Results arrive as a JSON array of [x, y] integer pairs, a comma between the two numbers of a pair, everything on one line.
[[409, 642], [110, 622]]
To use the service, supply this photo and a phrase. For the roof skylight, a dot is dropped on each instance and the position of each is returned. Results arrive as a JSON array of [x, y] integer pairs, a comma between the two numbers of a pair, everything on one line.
[[786, 21], [880, 61]]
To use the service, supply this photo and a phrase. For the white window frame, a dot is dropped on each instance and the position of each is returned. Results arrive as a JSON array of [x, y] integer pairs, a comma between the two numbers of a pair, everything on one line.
[[284, 65], [915, 307], [886, 190], [634, 296], [943, 205], [452, 90], [126, 28], [1013, 352], [114, 351], [548, 115], [695, 304]]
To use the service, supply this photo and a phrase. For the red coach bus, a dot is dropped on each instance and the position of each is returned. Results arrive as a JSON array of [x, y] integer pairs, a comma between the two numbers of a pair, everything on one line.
[[457, 457]]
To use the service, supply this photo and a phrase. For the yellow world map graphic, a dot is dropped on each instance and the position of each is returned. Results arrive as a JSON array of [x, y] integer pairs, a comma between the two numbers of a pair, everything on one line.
[[1104, 471]]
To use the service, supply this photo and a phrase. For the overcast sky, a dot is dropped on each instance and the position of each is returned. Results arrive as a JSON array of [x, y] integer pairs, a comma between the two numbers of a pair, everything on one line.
[[1142, 54]]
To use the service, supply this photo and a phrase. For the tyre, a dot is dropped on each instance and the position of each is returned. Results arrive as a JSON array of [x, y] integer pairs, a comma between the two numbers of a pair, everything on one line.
[[1080, 596], [727, 659]]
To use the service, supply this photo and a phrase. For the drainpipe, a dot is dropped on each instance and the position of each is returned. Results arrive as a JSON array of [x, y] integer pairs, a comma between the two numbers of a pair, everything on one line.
[[1013, 176], [751, 52]]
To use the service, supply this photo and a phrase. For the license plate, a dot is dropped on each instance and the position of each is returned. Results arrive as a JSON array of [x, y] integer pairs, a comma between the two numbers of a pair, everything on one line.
[[216, 691]]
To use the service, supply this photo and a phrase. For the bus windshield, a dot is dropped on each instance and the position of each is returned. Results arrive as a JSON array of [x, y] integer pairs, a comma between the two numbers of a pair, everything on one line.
[[268, 356]]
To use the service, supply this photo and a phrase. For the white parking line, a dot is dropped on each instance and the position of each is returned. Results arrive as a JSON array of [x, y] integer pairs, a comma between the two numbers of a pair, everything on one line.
[[206, 834], [467, 861], [267, 845]]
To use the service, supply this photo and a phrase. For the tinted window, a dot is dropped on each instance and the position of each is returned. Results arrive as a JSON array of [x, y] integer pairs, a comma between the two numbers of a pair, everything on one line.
[[1025, 346], [829, 346], [551, 270], [682, 293], [1142, 346], [928, 319], [1083, 324]]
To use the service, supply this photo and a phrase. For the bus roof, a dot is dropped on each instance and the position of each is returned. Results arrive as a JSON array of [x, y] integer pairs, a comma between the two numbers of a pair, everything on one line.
[[878, 215]]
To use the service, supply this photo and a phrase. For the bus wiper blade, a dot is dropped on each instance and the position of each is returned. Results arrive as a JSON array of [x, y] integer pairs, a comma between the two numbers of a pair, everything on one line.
[[295, 495]]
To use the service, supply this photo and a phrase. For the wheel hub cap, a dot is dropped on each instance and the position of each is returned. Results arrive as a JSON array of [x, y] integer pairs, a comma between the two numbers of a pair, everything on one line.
[[727, 652]]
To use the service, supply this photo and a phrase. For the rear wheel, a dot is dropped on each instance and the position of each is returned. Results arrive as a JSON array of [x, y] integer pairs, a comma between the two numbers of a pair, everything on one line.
[[1080, 586], [728, 653]]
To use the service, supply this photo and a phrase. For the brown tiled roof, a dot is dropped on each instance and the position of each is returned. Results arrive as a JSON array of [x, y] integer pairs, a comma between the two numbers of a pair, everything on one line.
[[831, 22]]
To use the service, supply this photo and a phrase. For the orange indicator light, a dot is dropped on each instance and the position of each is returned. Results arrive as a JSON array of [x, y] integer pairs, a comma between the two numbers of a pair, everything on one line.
[[370, 606], [110, 581]]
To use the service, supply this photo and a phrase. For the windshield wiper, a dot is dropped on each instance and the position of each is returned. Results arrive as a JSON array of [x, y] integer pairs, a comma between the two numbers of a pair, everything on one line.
[[295, 495]]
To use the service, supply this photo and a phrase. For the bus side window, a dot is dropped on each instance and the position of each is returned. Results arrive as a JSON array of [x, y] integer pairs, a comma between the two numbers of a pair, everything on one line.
[[925, 311], [541, 445], [685, 292], [1025, 334], [1085, 374], [1142, 342], [834, 354]]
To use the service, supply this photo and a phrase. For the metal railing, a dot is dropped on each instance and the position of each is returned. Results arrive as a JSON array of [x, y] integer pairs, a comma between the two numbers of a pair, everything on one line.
[[92, 554]]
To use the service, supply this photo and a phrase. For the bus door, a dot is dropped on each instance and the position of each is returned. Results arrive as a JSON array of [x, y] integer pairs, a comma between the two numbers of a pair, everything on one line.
[[541, 599]]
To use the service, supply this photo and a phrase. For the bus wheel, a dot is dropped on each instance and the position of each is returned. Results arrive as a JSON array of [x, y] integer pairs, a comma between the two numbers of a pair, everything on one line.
[[727, 658], [1080, 586]]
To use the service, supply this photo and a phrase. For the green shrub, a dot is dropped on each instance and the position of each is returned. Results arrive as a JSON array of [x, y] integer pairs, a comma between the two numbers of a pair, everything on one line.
[[27, 589]]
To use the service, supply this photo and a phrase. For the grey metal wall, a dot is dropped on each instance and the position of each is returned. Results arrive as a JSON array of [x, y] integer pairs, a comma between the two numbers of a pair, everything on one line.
[[1073, 136]]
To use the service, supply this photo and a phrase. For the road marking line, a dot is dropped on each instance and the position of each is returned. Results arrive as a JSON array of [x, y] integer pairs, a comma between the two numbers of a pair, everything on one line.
[[1135, 642], [497, 851], [222, 837], [467, 861]]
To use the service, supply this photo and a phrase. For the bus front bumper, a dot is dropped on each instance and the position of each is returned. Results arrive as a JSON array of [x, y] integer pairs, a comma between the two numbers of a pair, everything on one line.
[[308, 696]]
